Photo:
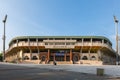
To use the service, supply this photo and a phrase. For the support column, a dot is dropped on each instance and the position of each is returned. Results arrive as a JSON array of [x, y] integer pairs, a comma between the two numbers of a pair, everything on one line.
[[65, 57], [21, 54], [82, 48], [89, 54], [82, 41], [99, 55], [17, 56], [38, 49], [17, 43], [102, 42], [90, 48], [38, 54], [91, 40], [48, 54], [30, 54], [54, 56], [80, 55], [70, 54], [9, 57], [28, 42], [30, 49]]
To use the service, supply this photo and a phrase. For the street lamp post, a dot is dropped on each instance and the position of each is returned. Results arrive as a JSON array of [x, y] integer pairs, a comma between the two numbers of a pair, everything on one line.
[[116, 24], [4, 37]]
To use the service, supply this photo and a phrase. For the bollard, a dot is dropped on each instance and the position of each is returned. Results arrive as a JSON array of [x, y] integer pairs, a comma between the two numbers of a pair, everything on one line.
[[100, 72]]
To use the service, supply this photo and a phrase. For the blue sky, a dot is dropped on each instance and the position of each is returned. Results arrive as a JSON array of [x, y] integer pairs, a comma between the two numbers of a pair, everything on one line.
[[59, 17]]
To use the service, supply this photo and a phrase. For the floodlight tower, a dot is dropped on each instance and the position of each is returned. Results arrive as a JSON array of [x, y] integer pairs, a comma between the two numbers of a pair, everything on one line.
[[116, 24], [4, 37]]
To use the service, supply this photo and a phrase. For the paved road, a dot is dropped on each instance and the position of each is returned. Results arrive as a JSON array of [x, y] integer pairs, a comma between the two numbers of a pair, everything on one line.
[[19, 72], [110, 70]]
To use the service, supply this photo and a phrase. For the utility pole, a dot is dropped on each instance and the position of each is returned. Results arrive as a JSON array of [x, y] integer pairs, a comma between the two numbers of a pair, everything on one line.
[[116, 24], [4, 37]]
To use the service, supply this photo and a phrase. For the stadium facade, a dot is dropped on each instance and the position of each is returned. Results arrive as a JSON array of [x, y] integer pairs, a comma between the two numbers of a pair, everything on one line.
[[61, 49]]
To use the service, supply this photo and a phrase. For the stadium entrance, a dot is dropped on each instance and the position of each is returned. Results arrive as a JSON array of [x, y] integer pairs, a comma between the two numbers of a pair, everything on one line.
[[60, 55]]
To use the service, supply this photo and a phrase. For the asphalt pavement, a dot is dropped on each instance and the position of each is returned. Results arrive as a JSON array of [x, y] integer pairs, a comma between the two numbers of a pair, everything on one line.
[[18, 72]]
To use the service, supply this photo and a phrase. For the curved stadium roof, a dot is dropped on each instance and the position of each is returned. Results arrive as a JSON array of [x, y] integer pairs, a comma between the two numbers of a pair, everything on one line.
[[41, 37]]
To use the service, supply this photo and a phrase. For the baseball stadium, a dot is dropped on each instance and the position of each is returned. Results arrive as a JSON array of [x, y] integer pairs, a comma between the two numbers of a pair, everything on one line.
[[61, 49]]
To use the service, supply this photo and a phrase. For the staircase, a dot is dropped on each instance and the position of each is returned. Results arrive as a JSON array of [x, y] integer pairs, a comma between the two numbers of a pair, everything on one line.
[[30, 62]]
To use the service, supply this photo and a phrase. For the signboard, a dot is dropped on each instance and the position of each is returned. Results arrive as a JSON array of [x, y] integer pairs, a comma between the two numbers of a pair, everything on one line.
[[59, 46], [59, 54], [63, 46]]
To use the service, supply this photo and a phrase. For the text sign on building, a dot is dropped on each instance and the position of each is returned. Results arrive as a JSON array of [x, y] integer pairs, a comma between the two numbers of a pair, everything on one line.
[[59, 46], [63, 46], [59, 54]]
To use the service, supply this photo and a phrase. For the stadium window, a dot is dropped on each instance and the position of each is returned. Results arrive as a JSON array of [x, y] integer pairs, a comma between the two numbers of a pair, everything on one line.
[[93, 58], [72, 43], [26, 58], [67, 38], [34, 58], [84, 58], [85, 51], [59, 43], [46, 43], [50, 43], [67, 43], [50, 38], [59, 38]]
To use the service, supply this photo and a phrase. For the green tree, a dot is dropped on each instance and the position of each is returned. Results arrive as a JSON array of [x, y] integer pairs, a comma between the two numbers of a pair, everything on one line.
[[1, 57]]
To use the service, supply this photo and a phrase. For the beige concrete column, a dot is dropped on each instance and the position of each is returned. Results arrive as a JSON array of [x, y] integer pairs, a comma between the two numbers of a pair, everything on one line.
[[91, 41], [38, 49], [89, 54], [28, 42], [30, 54], [30, 49], [17, 43], [48, 54], [21, 54], [102, 41], [82, 41], [99, 55], [70, 54], [38, 54], [54, 56], [65, 57], [90, 48], [17, 55], [81, 54]]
